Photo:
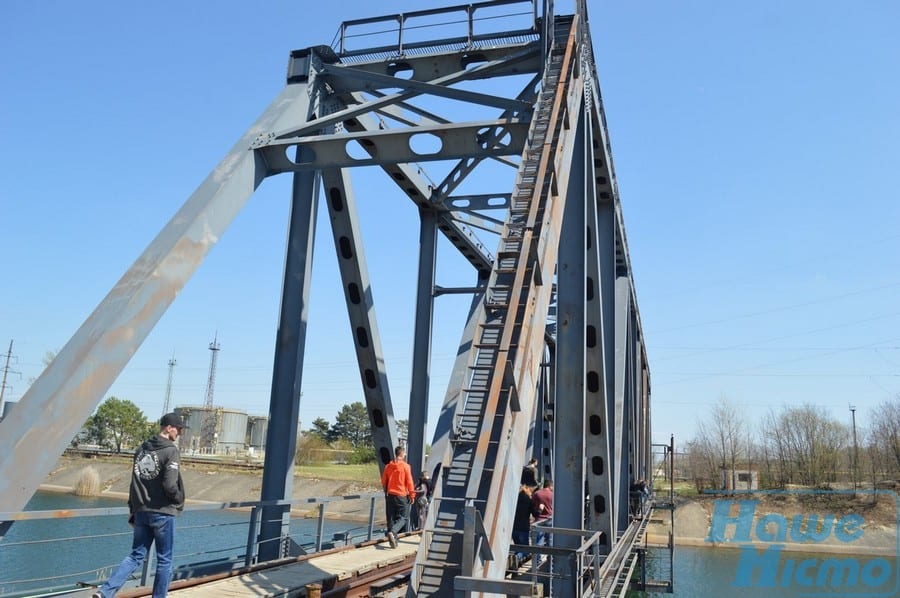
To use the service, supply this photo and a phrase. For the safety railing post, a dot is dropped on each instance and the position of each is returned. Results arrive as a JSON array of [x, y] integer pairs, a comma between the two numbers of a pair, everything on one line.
[[145, 570], [320, 527], [371, 518], [252, 537]]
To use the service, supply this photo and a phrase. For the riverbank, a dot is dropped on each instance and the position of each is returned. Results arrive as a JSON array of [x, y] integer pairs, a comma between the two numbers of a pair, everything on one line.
[[873, 522], [207, 482]]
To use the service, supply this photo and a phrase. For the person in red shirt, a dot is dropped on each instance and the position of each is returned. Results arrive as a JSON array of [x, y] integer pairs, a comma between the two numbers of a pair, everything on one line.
[[399, 494], [542, 508]]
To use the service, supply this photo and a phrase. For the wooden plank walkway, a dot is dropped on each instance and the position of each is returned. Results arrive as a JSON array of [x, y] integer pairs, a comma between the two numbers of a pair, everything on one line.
[[291, 579]]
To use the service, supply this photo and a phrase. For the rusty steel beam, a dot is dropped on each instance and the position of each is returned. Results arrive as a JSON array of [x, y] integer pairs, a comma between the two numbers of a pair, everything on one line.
[[55, 407]]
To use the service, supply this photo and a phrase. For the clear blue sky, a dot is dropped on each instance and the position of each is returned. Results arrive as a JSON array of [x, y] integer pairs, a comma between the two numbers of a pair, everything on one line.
[[755, 146]]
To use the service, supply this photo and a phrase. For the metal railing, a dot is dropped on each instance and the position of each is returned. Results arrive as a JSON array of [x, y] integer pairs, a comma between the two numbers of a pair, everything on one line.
[[210, 558], [399, 27]]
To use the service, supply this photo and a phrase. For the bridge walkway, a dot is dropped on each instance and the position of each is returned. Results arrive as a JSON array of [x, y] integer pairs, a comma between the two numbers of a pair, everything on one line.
[[366, 564]]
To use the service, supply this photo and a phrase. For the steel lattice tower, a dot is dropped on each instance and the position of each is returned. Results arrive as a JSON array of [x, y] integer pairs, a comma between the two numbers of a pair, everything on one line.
[[210, 428], [168, 399]]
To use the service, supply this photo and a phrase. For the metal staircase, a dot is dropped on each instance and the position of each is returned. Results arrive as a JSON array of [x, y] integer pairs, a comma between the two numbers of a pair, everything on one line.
[[508, 343]]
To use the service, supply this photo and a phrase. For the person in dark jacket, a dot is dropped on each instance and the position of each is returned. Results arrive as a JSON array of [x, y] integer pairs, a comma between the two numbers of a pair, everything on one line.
[[521, 530], [155, 497], [424, 490]]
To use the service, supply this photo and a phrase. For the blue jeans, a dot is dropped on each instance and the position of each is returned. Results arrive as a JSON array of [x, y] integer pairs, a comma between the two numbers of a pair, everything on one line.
[[521, 536], [148, 528]]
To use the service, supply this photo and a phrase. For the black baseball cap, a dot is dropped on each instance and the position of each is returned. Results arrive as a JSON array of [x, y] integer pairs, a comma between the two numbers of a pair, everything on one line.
[[172, 419]]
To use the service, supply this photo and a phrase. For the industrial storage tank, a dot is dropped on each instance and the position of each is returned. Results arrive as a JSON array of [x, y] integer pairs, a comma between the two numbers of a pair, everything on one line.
[[227, 426], [257, 428], [190, 441], [232, 431]]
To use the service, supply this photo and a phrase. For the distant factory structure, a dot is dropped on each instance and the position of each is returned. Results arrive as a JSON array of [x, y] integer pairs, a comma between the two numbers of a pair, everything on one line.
[[214, 430], [222, 431]]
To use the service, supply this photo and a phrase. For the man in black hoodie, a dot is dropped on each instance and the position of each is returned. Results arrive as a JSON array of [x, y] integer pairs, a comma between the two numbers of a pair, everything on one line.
[[155, 497]]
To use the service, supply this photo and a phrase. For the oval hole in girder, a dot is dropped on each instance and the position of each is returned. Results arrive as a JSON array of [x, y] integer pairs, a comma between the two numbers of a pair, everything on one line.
[[346, 250], [593, 382], [385, 455], [300, 154], [589, 288], [425, 144], [595, 425], [353, 293], [337, 199], [400, 70], [597, 465], [360, 149], [591, 337], [497, 202], [362, 336], [599, 504], [377, 418], [461, 203], [371, 380]]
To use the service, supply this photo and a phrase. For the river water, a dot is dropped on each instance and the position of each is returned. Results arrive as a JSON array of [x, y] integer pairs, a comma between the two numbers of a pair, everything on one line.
[[88, 548], [699, 572], [706, 572]]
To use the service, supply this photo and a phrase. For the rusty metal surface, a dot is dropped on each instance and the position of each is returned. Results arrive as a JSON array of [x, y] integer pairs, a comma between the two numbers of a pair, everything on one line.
[[53, 410]]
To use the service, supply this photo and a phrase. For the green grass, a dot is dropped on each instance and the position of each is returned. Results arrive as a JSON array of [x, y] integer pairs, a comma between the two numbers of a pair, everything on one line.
[[366, 472], [681, 488]]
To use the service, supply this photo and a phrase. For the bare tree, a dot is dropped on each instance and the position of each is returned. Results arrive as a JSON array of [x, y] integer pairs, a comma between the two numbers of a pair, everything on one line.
[[720, 440], [885, 436], [807, 444]]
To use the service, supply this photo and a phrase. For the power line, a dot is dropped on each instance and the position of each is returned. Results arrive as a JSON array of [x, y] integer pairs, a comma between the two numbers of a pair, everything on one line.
[[778, 309]]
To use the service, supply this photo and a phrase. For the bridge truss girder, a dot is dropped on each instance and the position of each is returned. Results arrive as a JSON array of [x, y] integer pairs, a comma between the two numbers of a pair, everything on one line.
[[589, 404]]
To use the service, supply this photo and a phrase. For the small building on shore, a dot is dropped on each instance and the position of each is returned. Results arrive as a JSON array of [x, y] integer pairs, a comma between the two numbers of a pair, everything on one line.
[[739, 479]]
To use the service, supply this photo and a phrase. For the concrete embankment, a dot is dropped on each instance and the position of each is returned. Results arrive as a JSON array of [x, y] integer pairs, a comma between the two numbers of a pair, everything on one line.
[[210, 482], [874, 524]]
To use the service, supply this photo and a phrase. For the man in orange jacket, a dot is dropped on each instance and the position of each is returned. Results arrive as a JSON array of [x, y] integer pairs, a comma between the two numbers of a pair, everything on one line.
[[399, 494]]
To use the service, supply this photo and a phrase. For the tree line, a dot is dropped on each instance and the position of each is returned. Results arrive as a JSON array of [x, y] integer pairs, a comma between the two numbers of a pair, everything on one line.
[[796, 445], [119, 424], [350, 436]]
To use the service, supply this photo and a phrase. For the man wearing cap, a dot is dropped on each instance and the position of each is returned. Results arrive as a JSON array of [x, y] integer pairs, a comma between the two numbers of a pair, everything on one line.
[[155, 497]]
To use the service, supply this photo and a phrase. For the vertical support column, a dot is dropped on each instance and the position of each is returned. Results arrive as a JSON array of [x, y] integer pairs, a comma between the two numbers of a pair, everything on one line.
[[361, 310], [421, 360], [622, 400], [606, 246], [568, 487], [600, 298], [541, 439], [287, 375]]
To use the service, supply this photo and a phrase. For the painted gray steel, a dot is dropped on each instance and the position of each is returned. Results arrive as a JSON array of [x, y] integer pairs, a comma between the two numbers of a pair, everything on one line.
[[257, 429], [232, 431]]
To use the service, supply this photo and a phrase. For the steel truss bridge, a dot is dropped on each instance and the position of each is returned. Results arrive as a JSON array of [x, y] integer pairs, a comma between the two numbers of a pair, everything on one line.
[[551, 359]]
